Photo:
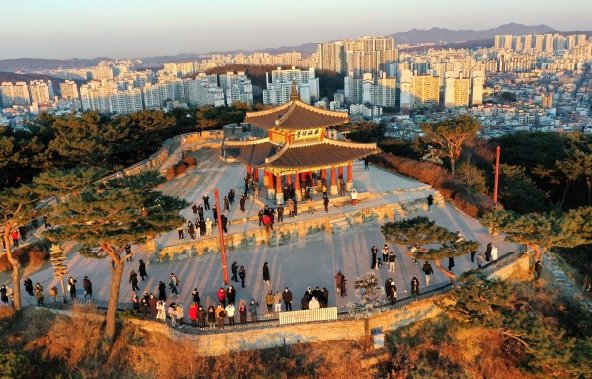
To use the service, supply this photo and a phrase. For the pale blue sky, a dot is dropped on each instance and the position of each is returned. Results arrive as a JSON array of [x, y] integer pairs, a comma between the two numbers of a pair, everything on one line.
[[139, 28]]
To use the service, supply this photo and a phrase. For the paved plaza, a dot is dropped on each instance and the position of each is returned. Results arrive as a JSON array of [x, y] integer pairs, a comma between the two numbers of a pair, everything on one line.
[[310, 261]]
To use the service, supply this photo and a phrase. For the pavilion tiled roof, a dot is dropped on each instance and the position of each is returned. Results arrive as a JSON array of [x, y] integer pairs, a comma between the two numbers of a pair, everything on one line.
[[250, 152], [319, 153], [296, 115]]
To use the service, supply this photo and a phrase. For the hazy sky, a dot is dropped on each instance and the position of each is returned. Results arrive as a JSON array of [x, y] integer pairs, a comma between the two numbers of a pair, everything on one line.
[[140, 28]]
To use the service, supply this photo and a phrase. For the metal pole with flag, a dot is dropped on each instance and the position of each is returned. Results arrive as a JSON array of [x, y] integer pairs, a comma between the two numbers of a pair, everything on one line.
[[495, 183], [221, 234]]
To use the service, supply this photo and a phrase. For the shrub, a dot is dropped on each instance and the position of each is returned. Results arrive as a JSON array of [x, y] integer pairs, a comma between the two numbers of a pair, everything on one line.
[[34, 255], [180, 168], [170, 173], [14, 364]]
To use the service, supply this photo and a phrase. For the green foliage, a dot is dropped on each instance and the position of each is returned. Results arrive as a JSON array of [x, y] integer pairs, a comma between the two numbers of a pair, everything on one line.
[[517, 191], [423, 231], [507, 97], [532, 149], [365, 132], [472, 176], [449, 136], [117, 212], [14, 364]]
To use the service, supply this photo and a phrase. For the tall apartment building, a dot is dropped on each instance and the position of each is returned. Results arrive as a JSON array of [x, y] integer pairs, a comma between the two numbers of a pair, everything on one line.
[[457, 90], [95, 95], [126, 101], [417, 90], [41, 92], [379, 91], [102, 72], [202, 90], [180, 69], [279, 89], [15, 94], [237, 87], [69, 90], [362, 55]]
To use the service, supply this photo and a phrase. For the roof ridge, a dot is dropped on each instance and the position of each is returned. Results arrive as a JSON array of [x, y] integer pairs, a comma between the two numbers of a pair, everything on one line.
[[246, 142], [277, 155], [268, 111], [358, 145]]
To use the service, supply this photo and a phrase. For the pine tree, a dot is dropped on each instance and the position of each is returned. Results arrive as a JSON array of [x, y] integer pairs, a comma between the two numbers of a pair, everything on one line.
[[111, 215], [421, 231]]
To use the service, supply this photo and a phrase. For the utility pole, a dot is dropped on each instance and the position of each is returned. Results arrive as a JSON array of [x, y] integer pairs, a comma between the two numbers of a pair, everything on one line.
[[221, 234]]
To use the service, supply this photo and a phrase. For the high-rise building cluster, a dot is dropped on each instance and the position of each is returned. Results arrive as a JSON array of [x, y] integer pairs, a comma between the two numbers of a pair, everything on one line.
[[549, 42], [23, 94], [359, 56], [279, 88]]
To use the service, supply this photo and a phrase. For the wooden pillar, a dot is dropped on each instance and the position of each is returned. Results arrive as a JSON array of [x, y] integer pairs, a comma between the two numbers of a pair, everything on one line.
[[270, 187], [279, 192], [333, 187], [289, 179], [323, 174], [248, 170], [256, 174], [265, 178], [350, 177], [297, 187], [340, 171]]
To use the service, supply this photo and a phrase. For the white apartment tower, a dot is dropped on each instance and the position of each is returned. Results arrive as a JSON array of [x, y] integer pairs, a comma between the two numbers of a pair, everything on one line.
[[15, 94], [69, 90], [279, 89], [40, 91], [237, 87]]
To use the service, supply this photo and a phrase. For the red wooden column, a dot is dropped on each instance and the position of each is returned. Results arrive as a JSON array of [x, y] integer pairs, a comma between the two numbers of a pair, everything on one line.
[[333, 187], [248, 170], [289, 179], [350, 177], [297, 187], [256, 174], [340, 171], [265, 179], [279, 193], [270, 186]]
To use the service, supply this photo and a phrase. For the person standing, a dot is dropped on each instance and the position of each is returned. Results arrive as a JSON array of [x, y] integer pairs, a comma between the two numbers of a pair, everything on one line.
[[242, 275], [161, 311], [253, 310], [343, 287], [415, 286], [385, 251], [162, 291], [373, 252], [152, 302], [310, 205], [180, 231], [193, 314], [260, 214], [201, 317], [208, 227], [325, 301], [3, 292], [473, 253], [226, 204], [206, 201], [174, 283], [191, 230], [29, 286], [338, 278], [224, 221], [234, 269], [269, 299], [391, 256], [428, 271], [291, 208], [480, 260], [493, 253], [133, 280], [277, 302], [354, 197], [87, 286], [230, 313], [200, 211], [280, 213], [242, 312], [230, 294], [287, 297], [242, 202], [194, 209], [488, 252], [39, 293], [430, 202], [215, 213], [142, 269], [266, 274], [450, 263], [366, 164], [15, 238], [211, 316], [220, 316], [326, 203]]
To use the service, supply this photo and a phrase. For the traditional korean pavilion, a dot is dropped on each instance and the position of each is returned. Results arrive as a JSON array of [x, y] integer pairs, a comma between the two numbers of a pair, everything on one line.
[[297, 146]]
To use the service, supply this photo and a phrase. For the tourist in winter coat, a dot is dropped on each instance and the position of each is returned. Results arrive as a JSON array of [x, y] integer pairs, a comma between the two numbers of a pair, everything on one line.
[[162, 291], [480, 260], [338, 277], [428, 271], [494, 253], [325, 301], [206, 201], [373, 252], [3, 296], [488, 252], [226, 204], [29, 286], [220, 316], [87, 285], [179, 315], [172, 311], [253, 305], [181, 232], [326, 203], [242, 202], [193, 314], [161, 311], [195, 296], [430, 202], [230, 313], [208, 227], [221, 294], [135, 302], [201, 317], [152, 303], [242, 312], [242, 274], [287, 297], [230, 294], [415, 286], [72, 287], [266, 274], [269, 299], [39, 293], [314, 303], [391, 257], [304, 302], [385, 251], [133, 280], [291, 208], [277, 302], [211, 316], [173, 283], [343, 286], [191, 230], [224, 222], [234, 269]]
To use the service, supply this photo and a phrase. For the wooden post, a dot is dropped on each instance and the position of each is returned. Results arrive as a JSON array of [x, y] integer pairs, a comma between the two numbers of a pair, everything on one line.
[[333, 187], [495, 183], [221, 233], [256, 175], [297, 187], [350, 177], [340, 171], [289, 179], [265, 179], [279, 192]]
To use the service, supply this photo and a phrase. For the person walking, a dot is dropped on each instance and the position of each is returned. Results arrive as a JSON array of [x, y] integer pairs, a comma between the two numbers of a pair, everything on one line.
[[173, 283], [277, 302], [162, 291], [133, 280], [366, 164], [226, 204], [202, 227], [391, 256], [428, 271], [142, 269], [87, 286], [208, 227], [206, 201], [287, 297], [29, 286], [269, 299], [234, 269], [266, 274], [242, 275], [450, 263], [242, 203], [230, 313], [415, 286], [326, 203], [430, 202], [373, 252]]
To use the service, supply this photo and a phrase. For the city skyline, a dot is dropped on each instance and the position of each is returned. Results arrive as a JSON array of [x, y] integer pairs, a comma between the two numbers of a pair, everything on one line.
[[88, 30]]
